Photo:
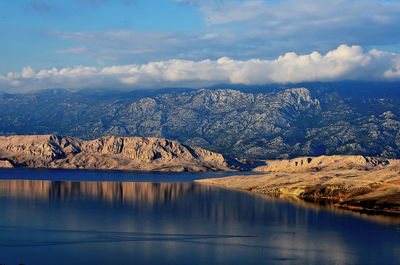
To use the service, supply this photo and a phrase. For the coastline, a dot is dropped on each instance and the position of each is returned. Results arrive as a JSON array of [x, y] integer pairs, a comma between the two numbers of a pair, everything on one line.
[[331, 204], [355, 183]]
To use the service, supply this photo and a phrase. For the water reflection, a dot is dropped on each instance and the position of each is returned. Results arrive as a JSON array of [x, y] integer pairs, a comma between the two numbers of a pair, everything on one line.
[[131, 193], [218, 205], [177, 223], [113, 192], [390, 219]]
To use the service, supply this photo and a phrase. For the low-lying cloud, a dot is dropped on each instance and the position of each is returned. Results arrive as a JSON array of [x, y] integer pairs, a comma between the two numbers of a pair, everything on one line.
[[343, 63]]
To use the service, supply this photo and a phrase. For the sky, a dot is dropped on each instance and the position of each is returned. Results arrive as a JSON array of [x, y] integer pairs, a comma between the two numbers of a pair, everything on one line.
[[129, 44]]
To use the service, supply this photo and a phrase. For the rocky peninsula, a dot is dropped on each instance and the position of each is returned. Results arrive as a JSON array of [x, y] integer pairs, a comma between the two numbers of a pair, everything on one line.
[[358, 183], [109, 153]]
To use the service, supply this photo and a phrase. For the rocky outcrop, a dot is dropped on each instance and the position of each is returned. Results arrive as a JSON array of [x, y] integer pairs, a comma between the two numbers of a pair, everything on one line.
[[110, 152], [352, 182], [335, 162], [5, 164]]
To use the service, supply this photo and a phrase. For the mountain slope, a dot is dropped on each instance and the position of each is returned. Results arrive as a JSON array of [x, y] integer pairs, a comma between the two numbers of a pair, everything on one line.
[[109, 152]]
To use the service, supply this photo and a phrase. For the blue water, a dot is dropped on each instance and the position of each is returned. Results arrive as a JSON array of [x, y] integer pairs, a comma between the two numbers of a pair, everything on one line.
[[119, 218], [106, 175]]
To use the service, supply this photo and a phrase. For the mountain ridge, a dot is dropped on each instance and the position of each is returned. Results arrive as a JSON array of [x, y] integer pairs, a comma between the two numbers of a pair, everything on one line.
[[280, 123], [109, 152]]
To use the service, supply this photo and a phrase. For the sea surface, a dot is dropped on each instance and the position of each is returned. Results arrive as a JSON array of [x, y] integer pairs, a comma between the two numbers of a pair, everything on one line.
[[111, 217]]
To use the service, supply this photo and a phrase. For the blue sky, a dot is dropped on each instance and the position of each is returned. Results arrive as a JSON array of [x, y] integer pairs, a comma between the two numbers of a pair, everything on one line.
[[70, 36], [32, 30]]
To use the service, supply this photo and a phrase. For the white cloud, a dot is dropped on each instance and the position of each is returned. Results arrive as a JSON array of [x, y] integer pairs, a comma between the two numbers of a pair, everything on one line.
[[27, 72], [307, 12], [344, 63]]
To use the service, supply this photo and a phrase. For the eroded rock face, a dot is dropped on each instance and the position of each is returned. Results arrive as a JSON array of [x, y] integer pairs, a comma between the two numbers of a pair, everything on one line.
[[5, 164], [303, 164], [110, 152]]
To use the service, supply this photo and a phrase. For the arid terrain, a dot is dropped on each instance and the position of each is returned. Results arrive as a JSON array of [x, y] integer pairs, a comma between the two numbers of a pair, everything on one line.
[[352, 182], [109, 152]]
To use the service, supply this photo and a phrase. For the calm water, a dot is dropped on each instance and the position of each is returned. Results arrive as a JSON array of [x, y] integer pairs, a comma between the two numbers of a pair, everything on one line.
[[134, 222]]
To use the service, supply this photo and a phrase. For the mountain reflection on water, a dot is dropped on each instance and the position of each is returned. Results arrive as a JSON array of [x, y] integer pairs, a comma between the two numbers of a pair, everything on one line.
[[113, 192], [218, 204], [71, 222]]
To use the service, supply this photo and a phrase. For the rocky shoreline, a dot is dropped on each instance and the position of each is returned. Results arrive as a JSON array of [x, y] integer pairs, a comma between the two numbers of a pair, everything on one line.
[[356, 183]]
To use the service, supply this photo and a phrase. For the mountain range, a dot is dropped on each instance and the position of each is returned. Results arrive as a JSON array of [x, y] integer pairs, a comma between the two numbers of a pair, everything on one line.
[[262, 122]]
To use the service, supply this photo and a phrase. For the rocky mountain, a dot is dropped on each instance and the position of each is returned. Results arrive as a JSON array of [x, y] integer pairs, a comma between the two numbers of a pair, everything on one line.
[[109, 152], [243, 122]]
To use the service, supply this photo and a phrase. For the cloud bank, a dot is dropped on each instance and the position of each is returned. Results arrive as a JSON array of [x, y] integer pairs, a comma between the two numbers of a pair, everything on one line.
[[343, 63]]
